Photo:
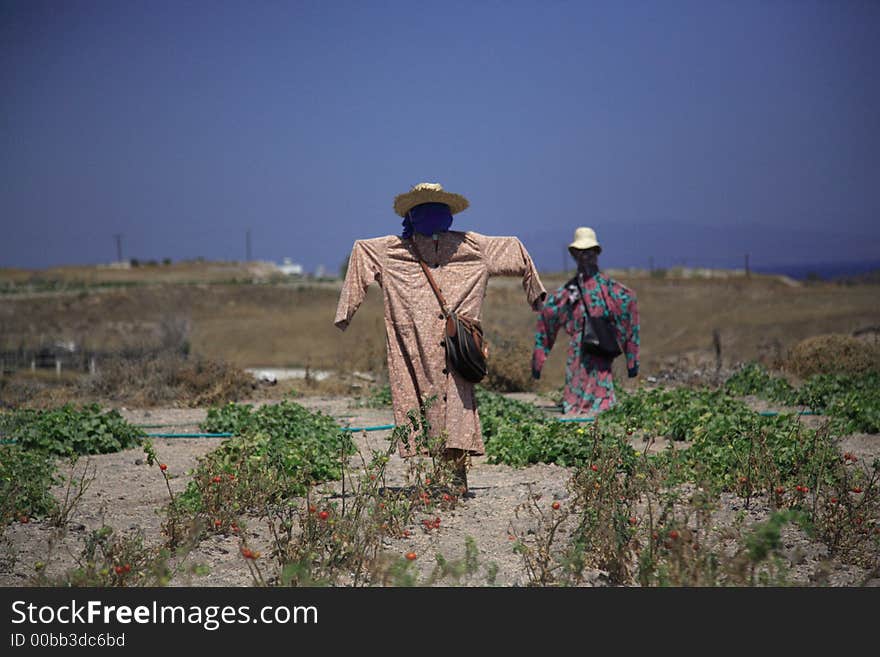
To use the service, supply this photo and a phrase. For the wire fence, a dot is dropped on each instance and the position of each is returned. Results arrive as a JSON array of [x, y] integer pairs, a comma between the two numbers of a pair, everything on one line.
[[48, 359], [62, 359]]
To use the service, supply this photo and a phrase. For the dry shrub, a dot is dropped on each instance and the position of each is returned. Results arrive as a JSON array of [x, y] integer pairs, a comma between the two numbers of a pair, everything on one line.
[[208, 382], [834, 353], [170, 377], [38, 390], [510, 365]]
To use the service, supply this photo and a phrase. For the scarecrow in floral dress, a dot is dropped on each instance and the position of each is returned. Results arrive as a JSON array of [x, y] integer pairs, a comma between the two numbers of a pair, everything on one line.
[[589, 385], [461, 263]]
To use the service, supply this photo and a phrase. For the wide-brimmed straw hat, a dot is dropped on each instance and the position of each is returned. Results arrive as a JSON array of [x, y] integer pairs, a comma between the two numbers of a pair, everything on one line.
[[428, 193], [585, 238]]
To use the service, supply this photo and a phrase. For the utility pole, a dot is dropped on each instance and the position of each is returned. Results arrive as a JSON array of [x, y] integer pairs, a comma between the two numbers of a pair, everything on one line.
[[247, 245], [118, 237]]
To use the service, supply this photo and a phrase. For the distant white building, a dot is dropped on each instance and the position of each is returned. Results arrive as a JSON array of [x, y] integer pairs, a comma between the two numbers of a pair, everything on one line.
[[291, 268]]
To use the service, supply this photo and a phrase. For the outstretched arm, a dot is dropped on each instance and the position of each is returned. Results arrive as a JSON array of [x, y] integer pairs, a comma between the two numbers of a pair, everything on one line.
[[506, 256], [364, 267], [625, 308], [545, 333], [631, 346]]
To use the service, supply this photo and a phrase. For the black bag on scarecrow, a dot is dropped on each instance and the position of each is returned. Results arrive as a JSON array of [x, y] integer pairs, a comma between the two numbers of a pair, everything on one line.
[[466, 348], [599, 338]]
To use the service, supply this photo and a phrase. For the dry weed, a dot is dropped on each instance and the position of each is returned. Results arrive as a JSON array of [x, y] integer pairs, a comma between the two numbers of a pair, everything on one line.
[[834, 353]]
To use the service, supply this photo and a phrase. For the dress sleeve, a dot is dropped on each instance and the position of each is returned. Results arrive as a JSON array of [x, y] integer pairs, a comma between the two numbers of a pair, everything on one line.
[[506, 256], [625, 308], [546, 330], [364, 267]]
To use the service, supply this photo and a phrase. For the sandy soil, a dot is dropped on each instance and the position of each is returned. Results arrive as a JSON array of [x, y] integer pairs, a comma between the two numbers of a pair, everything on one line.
[[126, 495]]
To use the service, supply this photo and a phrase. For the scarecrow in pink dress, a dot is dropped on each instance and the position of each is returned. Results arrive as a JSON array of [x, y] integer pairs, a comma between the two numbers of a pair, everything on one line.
[[589, 385], [461, 264]]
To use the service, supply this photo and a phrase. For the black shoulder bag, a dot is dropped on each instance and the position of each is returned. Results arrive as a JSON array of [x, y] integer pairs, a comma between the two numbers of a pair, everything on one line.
[[466, 350], [599, 338]]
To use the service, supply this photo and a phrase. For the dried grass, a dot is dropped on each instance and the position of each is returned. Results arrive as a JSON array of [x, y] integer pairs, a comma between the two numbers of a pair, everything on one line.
[[510, 367], [292, 325], [169, 379], [833, 353]]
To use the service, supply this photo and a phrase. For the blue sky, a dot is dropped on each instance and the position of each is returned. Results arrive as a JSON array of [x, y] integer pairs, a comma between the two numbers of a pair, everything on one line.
[[683, 132]]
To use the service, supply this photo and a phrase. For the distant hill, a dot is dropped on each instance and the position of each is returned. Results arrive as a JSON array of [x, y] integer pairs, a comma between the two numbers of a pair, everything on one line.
[[770, 249], [872, 277], [864, 272]]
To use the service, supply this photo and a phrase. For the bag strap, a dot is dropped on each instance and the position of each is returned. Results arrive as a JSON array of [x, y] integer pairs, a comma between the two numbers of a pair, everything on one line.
[[587, 308], [584, 299], [443, 306], [577, 281], [605, 299]]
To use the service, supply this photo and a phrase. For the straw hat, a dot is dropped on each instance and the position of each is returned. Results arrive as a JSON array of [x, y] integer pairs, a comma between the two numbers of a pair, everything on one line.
[[584, 238], [429, 193]]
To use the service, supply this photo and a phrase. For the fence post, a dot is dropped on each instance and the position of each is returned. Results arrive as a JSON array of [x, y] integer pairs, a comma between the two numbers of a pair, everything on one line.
[[33, 364], [58, 367], [92, 365]]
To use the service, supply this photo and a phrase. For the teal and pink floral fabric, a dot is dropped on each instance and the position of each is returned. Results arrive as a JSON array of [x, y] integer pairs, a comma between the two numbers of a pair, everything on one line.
[[589, 384]]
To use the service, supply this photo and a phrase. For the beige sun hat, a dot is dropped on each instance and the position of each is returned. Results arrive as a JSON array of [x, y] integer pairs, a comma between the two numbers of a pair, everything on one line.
[[429, 193], [585, 238]]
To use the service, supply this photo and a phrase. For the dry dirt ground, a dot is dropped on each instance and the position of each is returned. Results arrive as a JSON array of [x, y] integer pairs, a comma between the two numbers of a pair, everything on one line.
[[126, 495], [757, 319]]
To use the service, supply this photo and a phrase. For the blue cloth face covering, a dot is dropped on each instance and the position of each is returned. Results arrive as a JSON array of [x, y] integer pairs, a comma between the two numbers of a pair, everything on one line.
[[427, 219]]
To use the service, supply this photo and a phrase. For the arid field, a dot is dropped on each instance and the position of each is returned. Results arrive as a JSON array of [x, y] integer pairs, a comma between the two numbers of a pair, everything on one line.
[[704, 479], [223, 315]]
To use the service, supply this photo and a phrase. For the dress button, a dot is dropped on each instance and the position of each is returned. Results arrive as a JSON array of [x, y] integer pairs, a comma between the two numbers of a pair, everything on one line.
[[440, 316], [444, 397], [445, 371], [443, 344], [435, 265]]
